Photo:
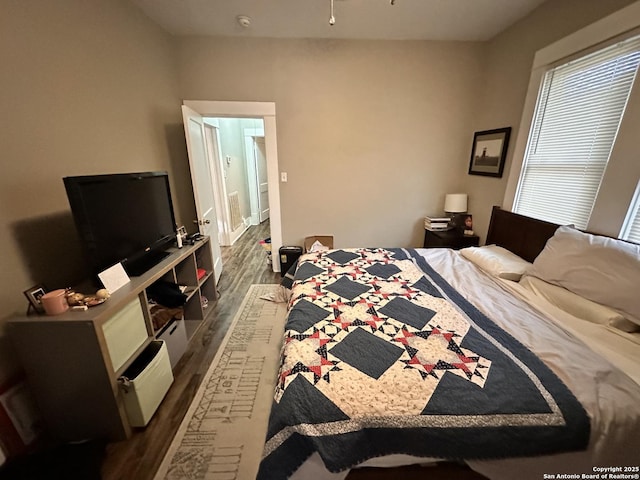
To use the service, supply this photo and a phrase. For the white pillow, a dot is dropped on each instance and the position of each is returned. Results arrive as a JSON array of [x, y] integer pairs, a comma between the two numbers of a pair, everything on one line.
[[571, 303], [497, 261], [624, 325], [601, 269]]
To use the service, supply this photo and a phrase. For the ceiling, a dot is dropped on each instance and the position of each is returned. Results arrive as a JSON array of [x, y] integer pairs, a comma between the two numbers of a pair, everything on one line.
[[464, 20]]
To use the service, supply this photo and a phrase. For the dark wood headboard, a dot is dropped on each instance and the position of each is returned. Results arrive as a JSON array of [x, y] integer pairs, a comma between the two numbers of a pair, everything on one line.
[[524, 236]]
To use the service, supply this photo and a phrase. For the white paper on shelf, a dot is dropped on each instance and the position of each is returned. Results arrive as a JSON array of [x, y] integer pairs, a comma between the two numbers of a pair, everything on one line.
[[114, 277]]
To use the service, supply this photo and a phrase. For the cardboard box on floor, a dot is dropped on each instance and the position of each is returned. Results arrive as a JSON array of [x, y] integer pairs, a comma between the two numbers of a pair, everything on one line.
[[326, 240]]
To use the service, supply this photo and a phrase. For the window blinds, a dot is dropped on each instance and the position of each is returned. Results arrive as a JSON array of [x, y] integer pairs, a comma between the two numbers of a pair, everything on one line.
[[578, 112], [631, 230]]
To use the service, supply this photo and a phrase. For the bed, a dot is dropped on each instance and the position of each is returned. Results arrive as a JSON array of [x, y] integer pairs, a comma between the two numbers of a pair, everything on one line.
[[414, 356]]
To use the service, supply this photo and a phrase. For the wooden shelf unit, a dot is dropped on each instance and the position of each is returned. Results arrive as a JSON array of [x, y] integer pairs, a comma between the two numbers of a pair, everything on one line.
[[73, 360]]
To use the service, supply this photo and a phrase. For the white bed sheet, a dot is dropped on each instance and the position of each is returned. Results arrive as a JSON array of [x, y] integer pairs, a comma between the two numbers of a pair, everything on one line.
[[590, 359], [622, 349]]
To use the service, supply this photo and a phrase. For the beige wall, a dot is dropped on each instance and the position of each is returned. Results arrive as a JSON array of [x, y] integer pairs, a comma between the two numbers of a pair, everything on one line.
[[372, 134], [86, 87], [509, 58]]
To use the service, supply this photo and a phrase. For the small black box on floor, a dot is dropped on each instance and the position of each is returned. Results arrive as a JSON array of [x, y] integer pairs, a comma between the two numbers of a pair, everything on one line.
[[288, 256]]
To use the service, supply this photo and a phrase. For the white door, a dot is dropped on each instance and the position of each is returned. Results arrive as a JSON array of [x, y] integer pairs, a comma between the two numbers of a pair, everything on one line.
[[263, 182], [202, 181]]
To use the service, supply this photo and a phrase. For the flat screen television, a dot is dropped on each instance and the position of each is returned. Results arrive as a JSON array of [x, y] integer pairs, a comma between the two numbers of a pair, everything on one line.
[[126, 217]]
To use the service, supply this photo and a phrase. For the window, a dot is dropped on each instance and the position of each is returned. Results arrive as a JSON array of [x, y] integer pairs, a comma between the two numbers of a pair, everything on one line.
[[631, 228], [578, 112]]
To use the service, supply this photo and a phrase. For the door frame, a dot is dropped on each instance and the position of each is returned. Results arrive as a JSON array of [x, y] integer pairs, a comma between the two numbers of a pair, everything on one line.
[[266, 111], [260, 165], [250, 135]]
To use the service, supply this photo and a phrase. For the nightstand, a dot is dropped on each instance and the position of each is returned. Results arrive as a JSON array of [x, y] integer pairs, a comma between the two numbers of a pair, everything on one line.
[[449, 239]]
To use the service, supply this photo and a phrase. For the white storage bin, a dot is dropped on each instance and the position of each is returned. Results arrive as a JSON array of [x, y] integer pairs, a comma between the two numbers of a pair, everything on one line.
[[124, 333], [174, 334], [145, 383]]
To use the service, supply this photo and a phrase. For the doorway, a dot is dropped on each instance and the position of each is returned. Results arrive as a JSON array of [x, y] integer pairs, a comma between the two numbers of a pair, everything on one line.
[[264, 111], [255, 154], [242, 172]]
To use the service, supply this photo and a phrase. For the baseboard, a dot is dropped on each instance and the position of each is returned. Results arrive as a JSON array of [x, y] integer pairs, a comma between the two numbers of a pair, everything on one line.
[[237, 233]]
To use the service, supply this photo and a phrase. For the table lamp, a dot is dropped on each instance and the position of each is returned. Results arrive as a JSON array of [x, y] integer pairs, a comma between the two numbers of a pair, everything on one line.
[[454, 204]]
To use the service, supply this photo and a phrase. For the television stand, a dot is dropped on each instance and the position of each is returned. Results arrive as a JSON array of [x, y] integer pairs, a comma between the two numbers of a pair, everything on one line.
[[143, 264], [73, 360]]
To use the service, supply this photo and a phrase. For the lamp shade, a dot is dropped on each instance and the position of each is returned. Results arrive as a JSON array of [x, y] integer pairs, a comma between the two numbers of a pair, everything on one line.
[[455, 202]]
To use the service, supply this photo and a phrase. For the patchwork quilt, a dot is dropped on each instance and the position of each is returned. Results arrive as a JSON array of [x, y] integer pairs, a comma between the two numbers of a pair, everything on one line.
[[382, 356]]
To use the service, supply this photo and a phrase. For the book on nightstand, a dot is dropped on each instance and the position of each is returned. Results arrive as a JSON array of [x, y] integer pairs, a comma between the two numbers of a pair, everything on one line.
[[436, 223], [436, 219]]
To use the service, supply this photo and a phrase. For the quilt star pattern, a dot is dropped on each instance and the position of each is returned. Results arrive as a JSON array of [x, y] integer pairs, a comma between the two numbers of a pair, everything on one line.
[[382, 356]]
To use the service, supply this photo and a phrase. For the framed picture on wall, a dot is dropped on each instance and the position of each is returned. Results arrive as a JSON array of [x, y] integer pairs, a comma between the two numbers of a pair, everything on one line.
[[489, 151]]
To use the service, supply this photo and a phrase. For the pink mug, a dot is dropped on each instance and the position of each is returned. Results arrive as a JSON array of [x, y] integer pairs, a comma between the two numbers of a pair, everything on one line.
[[55, 302]]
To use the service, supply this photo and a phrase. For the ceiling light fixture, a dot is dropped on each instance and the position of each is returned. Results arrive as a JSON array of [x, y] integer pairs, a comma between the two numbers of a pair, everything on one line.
[[332, 19]]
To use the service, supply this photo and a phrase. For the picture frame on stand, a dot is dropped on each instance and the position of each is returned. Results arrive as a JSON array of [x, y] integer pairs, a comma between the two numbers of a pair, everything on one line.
[[34, 294]]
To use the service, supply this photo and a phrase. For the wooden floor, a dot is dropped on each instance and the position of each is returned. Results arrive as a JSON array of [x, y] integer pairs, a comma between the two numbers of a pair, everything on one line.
[[244, 264]]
